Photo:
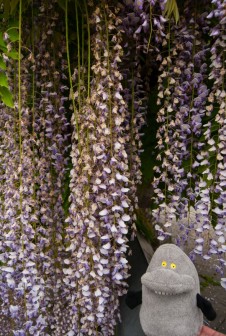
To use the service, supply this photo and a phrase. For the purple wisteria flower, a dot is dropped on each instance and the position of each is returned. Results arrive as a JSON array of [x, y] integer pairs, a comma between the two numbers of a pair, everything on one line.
[[190, 177], [100, 210], [52, 135], [22, 285], [215, 132], [183, 93], [139, 4], [34, 141]]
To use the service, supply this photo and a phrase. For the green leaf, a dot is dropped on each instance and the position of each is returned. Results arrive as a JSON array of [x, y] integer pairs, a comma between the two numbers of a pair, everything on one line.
[[13, 5], [13, 23], [3, 80], [2, 63], [6, 7], [171, 8], [176, 13], [6, 96], [13, 34], [2, 43], [13, 54], [168, 8], [61, 3], [25, 5]]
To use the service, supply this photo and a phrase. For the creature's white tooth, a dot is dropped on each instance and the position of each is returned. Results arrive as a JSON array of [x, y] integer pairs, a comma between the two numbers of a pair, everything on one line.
[[163, 293], [156, 292], [160, 293]]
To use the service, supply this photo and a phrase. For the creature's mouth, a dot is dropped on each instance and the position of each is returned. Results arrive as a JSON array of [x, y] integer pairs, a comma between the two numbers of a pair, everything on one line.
[[165, 293], [166, 282]]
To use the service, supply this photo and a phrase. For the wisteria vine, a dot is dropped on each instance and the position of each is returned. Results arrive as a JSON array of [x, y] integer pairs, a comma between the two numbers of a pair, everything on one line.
[[189, 192]]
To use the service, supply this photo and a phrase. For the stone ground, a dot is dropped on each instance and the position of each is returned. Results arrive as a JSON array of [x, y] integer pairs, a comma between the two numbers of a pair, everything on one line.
[[210, 289]]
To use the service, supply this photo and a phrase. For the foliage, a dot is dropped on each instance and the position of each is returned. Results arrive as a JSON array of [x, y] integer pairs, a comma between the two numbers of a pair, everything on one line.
[[7, 40], [208, 280], [171, 9]]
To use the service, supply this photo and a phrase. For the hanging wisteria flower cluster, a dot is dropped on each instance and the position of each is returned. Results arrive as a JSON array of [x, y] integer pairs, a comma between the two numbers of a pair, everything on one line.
[[100, 208], [81, 73], [190, 177], [33, 145]]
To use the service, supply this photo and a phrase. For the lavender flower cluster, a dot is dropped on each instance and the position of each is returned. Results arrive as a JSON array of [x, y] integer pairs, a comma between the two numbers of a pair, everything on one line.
[[215, 132], [190, 174], [100, 210], [143, 28], [33, 146], [22, 285], [59, 276], [52, 131]]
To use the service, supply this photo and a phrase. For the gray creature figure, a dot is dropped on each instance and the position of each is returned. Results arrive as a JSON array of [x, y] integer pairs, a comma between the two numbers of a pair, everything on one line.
[[170, 296]]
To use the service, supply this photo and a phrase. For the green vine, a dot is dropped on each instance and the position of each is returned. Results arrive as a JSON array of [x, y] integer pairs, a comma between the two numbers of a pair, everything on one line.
[[69, 72]]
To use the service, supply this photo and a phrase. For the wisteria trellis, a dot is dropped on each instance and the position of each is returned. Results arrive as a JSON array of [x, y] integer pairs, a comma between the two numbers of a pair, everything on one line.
[[80, 73]]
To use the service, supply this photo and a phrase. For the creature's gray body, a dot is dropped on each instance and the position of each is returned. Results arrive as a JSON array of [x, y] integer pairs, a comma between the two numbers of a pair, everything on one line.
[[169, 306]]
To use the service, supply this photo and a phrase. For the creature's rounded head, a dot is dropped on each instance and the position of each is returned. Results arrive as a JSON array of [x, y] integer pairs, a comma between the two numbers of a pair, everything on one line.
[[169, 289], [171, 272]]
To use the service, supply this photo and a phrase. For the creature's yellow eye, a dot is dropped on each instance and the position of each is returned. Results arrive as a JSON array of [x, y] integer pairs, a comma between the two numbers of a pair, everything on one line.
[[173, 266], [164, 263]]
